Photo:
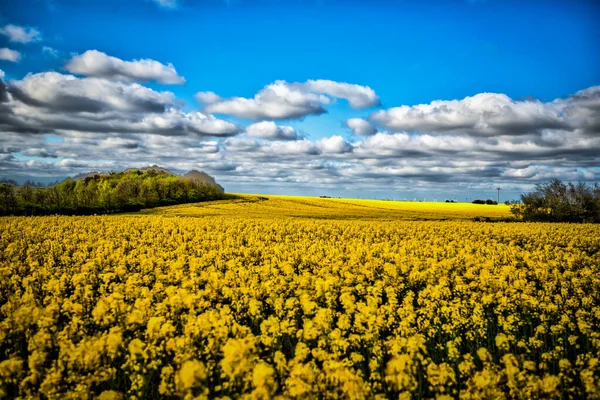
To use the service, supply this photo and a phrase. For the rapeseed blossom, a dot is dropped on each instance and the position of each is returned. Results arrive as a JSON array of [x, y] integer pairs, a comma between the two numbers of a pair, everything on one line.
[[271, 308]]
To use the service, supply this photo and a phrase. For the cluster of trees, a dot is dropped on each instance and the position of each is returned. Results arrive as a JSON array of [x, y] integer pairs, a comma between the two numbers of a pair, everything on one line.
[[556, 201], [488, 201], [131, 190]]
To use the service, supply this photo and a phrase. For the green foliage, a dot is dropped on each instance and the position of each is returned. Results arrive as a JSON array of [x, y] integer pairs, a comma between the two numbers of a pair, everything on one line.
[[131, 190], [488, 202], [556, 201]]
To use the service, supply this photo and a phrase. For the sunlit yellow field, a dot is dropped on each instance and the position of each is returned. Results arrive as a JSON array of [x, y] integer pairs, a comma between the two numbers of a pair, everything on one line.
[[301, 298], [267, 206]]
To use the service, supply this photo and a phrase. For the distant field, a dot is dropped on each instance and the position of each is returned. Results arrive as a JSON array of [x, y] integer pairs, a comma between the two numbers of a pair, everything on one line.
[[267, 206]]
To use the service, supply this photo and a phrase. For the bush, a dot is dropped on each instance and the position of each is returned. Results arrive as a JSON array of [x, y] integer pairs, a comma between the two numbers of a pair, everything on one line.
[[488, 201], [556, 201]]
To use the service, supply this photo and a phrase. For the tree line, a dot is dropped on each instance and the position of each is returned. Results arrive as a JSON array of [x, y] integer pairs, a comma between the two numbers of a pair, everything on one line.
[[488, 202], [131, 190], [556, 201]]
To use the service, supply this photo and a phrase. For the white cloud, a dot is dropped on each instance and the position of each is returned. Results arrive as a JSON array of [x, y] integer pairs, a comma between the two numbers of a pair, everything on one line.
[[177, 145], [258, 148], [385, 145], [279, 100], [168, 3], [358, 96], [50, 51], [241, 144], [283, 100], [94, 63], [582, 109], [296, 147], [51, 101], [193, 122], [9, 55], [277, 151], [68, 93], [485, 114], [334, 144], [269, 130], [360, 126], [207, 97], [21, 34]]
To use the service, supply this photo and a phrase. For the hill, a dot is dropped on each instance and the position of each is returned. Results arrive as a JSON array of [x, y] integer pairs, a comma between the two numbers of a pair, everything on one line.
[[101, 192], [204, 178]]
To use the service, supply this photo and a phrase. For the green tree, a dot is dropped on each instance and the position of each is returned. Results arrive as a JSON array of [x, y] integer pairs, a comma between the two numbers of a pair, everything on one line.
[[560, 202]]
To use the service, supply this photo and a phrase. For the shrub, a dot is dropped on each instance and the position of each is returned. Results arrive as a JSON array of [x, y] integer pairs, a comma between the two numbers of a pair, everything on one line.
[[556, 201]]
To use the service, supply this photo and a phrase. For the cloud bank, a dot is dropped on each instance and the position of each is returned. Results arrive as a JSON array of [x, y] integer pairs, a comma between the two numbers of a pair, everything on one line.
[[485, 114], [100, 115]]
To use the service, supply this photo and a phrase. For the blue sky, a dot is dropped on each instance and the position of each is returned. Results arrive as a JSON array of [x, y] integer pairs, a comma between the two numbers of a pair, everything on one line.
[[407, 52]]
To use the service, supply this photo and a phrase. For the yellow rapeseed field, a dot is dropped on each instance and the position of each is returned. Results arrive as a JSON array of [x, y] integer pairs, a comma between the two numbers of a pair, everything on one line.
[[274, 297], [256, 206]]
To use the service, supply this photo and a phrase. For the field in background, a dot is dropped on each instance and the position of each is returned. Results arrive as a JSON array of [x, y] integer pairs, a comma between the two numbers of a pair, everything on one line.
[[267, 206]]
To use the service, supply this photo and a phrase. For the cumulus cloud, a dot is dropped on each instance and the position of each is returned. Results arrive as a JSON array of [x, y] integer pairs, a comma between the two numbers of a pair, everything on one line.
[[358, 96], [207, 97], [283, 100], [269, 130], [7, 54], [582, 109], [50, 101], [178, 122], [263, 149], [334, 144], [21, 34], [259, 148], [360, 126], [66, 93], [485, 114], [94, 63], [279, 100]]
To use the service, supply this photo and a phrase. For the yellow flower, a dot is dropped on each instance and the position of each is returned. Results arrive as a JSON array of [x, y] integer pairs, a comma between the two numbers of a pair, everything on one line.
[[550, 384], [110, 395], [189, 374]]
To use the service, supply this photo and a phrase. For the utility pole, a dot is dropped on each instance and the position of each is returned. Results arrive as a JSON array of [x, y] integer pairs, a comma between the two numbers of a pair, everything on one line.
[[498, 189]]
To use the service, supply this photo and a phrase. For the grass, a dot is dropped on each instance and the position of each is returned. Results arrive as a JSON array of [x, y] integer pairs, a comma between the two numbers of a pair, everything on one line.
[[268, 206]]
